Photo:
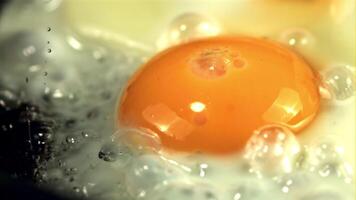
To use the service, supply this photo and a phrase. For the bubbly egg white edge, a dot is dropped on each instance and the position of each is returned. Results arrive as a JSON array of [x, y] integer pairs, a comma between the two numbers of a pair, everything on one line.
[[335, 120]]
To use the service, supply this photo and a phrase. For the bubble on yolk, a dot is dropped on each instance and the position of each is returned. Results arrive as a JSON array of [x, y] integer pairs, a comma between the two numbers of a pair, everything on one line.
[[210, 95]]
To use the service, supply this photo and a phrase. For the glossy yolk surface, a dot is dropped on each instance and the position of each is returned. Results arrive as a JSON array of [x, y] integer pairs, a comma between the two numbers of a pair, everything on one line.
[[210, 95]]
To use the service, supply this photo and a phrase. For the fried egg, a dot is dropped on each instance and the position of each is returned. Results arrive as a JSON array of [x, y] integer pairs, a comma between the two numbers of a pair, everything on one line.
[[207, 100]]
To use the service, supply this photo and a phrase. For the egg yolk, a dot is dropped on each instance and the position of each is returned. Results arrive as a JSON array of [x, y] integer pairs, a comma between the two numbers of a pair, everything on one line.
[[210, 95]]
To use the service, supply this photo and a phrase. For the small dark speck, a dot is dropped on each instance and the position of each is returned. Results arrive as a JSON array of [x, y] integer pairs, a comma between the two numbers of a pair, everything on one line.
[[49, 29], [106, 95], [70, 123], [209, 195], [45, 73], [26, 79], [92, 114], [187, 191]]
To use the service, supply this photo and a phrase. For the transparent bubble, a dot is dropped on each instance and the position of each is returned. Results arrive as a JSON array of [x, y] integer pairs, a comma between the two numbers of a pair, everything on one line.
[[138, 140], [147, 172], [28, 51], [272, 150], [187, 27], [88, 133], [298, 38], [214, 63], [34, 68], [100, 54], [72, 140], [327, 159], [111, 152], [189, 189], [57, 94], [340, 82]]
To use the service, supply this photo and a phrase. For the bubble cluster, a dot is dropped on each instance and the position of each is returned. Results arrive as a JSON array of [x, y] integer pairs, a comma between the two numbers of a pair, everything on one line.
[[272, 149], [327, 159], [187, 27]]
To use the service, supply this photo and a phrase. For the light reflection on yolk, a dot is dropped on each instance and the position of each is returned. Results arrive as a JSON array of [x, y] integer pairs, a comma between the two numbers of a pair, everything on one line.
[[210, 95], [197, 107]]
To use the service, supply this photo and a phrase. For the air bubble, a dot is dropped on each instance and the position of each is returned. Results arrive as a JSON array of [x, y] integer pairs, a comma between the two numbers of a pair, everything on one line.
[[187, 27], [57, 94], [34, 68], [327, 159], [70, 123], [71, 140], [298, 38], [214, 63], [76, 189], [111, 152], [70, 171], [93, 113], [29, 51], [88, 133], [340, 82], [100, 54], [272, 150], [72, 97], [138, 140]]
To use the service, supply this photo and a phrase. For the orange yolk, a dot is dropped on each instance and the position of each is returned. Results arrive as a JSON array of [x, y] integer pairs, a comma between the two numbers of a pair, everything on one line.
[[210, 95]]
